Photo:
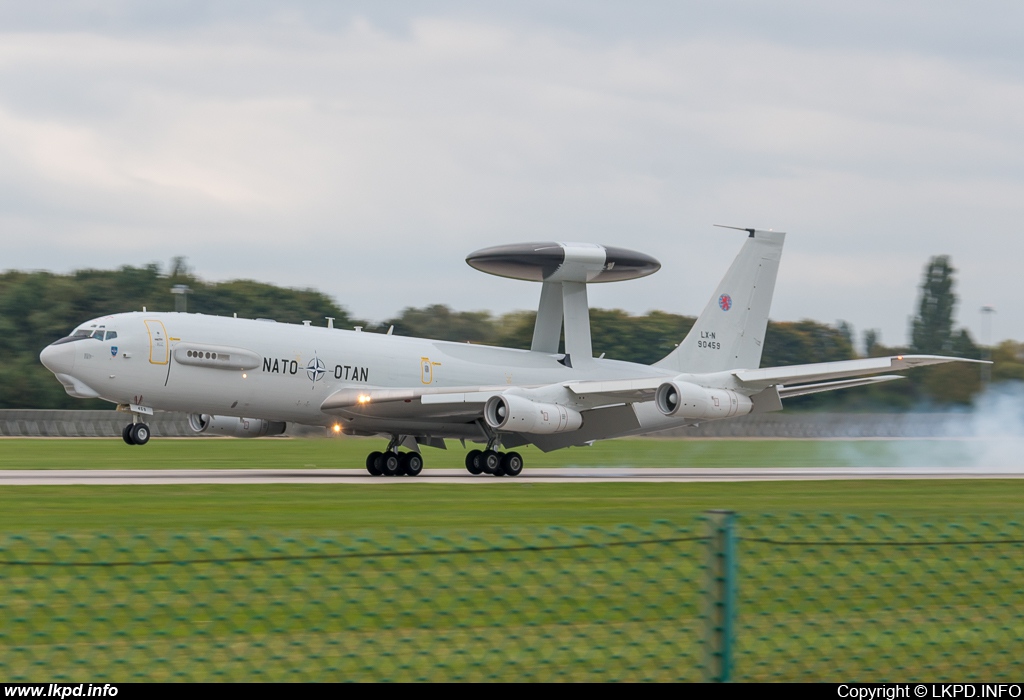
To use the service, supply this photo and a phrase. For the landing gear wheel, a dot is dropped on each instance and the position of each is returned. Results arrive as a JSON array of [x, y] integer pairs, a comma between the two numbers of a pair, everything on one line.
[[371, 463], [139, 433], [490, 462], [512, 464], [412, 464], [126, 434], [473, 462], [389, 464]]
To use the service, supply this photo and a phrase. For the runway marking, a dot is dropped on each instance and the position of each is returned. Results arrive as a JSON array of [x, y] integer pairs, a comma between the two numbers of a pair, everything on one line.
[[127, 477]]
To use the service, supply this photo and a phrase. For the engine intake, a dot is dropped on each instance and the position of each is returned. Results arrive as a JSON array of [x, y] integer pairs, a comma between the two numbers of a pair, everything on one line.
[[521, 415], [234, 427], [691, 401]]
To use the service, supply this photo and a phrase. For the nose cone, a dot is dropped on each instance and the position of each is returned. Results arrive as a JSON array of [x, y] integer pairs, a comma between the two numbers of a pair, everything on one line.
[[59, 359]]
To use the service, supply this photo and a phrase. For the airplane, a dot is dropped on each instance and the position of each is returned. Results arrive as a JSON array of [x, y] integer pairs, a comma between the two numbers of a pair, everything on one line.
[[250, 377]]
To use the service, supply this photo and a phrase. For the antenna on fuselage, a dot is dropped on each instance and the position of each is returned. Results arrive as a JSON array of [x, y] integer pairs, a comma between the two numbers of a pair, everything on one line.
[[565, 270]]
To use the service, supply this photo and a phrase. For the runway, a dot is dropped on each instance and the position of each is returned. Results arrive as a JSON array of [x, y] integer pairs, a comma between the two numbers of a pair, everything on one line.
[[581, 475]]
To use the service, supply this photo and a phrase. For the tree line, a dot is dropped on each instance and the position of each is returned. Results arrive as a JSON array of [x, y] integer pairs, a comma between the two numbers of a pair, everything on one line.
[[36, 308]]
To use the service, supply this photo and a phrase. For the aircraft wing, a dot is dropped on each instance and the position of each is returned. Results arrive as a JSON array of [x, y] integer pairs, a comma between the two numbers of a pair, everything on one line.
[[818, 372], [604, 404], [794, 380]]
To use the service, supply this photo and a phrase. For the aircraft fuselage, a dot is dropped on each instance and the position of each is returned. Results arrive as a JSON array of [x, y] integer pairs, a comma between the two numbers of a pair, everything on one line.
[[283, 372]]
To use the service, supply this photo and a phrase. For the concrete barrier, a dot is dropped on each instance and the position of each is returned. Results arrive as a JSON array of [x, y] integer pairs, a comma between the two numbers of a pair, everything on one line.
[[42, 423], [39, 423]]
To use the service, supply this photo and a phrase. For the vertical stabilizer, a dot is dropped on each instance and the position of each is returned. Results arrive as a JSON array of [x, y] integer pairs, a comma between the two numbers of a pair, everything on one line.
[[729, 333]]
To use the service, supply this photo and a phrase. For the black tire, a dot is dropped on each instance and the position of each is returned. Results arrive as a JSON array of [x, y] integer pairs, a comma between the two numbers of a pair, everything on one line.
[[473, 462], [371, 463], [412, 464], [389, 464], [126, 434], [512, 464], [140, 434], [490, 462]]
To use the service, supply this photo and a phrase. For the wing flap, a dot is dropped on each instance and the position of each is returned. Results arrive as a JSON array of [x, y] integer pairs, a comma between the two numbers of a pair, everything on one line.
[[786, 392], [466, 397], [365, 396], [618, 389]]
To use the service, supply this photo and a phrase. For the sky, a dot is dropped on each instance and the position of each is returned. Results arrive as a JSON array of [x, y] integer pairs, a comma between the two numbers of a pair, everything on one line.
[[365, 148]]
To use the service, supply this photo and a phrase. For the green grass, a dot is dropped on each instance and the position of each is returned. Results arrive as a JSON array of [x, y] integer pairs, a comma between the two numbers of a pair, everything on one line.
[[285, 453], [495, 507], [370, 510], [578, 604], [811, 612]]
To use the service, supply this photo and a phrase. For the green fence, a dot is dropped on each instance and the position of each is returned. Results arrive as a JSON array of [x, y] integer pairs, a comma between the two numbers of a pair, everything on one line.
[[784, 598]]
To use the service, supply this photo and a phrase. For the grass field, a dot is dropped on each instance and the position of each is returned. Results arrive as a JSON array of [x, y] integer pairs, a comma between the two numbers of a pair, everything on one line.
[[628, 613], [287, 453], [496, 507]]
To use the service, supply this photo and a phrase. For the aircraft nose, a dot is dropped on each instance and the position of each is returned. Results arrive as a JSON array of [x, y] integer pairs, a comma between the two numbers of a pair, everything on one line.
[[59, 359]]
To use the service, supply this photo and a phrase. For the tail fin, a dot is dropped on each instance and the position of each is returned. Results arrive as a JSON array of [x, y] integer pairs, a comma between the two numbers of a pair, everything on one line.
[[730, 331]]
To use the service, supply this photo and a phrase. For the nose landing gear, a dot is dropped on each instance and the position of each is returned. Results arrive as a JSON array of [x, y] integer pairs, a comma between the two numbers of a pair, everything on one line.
[[136, 432]]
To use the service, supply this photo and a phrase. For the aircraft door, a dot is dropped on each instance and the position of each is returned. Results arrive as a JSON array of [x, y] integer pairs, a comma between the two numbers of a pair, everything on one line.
[[159, 347], [427, 373]]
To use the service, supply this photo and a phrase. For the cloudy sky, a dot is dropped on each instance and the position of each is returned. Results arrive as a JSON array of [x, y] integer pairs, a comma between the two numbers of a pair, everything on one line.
[[364, 148]]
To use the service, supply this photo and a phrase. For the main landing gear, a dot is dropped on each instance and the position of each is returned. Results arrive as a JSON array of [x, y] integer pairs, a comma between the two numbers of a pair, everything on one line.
[[391, 462], [135, 434], [492, 462]]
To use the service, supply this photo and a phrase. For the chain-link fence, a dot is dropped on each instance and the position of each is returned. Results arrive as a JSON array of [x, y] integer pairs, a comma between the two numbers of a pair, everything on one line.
[[879, 598], [786, 598]]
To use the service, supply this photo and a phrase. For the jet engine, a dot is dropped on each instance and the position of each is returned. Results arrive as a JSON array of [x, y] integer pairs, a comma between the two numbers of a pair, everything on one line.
[[521, 415], [234, 427], [691, 401]]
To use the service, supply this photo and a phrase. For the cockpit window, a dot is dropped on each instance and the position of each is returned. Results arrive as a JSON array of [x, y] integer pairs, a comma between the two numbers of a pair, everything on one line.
[[111, 335], [81, 334]]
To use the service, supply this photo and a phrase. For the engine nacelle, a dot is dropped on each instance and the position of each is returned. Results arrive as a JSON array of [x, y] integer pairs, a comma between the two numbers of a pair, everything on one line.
[[234, 427], [691, 401], [521, 415]]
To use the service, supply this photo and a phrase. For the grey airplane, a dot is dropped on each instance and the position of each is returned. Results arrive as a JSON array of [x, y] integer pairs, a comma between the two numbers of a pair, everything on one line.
[[249, 378]]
